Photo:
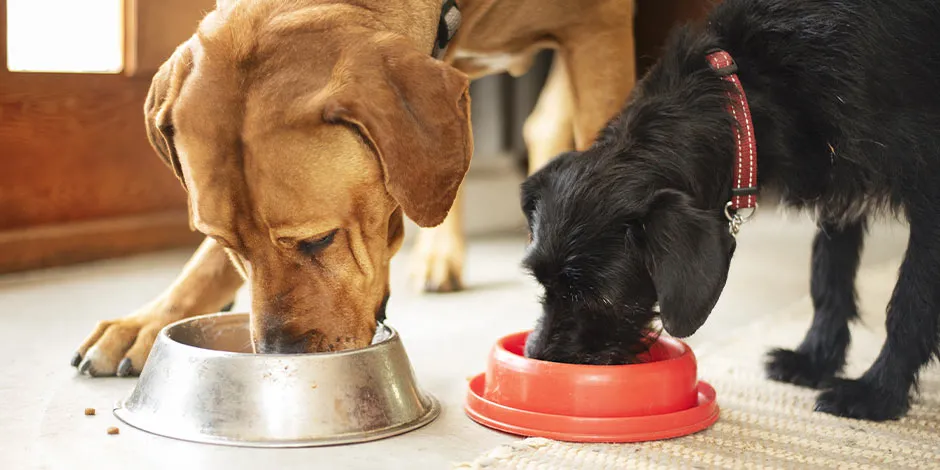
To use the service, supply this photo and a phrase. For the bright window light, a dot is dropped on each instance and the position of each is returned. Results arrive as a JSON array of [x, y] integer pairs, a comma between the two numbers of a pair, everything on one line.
[[72, 36]]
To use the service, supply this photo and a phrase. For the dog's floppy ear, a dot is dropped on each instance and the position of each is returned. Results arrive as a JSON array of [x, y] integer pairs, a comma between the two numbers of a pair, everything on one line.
[[690, 252], [415, 113], [158, 108]]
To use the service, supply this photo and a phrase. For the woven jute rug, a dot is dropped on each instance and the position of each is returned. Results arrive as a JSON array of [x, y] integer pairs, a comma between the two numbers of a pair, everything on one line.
[[765, 424]]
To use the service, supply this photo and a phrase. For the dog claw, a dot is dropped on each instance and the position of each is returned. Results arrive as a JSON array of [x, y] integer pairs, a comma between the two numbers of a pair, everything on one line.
[[84, 367], [124, 368], [862, 400], [76, 359], [454, 280], [798, 368], [451, 284]]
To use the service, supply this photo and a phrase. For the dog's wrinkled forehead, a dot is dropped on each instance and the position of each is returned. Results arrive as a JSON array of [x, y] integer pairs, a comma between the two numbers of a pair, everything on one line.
[[252, 139], [580, 189], [580, 225], [259, 77], [556, 187]]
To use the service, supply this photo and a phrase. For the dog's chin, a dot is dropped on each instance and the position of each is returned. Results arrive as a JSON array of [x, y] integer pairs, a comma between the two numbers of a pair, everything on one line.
[[605, 357], [613, 357], [312, 341], [316, 341], [616, 346]]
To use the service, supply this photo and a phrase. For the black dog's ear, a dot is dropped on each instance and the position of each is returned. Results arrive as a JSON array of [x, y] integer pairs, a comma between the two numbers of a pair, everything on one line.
[[529, 198], [531, 188], [690, 252]]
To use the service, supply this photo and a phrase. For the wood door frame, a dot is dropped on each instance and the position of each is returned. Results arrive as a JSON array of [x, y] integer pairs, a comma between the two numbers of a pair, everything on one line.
[[3, 36], [68, 240]]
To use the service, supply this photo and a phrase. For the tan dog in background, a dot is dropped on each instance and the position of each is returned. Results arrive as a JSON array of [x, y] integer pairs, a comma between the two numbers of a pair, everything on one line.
[[304, 129]]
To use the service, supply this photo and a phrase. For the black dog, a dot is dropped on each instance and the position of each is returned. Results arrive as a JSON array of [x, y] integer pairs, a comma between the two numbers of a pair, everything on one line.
[[845, 99]]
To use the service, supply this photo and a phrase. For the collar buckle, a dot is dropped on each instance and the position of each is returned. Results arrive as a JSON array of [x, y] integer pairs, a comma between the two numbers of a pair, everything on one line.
[[447, 27]]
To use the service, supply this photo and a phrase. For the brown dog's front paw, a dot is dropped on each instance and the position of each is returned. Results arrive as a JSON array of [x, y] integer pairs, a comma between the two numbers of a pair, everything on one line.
[[120, 347], [437, 262]]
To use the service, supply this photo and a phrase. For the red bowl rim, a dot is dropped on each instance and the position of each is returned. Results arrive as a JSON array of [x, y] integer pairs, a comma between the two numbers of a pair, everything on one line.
[[551, 426], [578, 368]]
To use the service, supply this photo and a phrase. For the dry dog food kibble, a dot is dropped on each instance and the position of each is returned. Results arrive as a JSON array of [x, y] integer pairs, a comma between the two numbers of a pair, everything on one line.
[[113, 430], [89, 411]]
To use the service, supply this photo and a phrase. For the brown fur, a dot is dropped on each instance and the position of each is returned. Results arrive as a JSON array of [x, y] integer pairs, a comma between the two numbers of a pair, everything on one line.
[[287, 120]]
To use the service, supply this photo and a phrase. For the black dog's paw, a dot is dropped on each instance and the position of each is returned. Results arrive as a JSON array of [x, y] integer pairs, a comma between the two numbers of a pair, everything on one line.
[[861, 399], [785, 365]]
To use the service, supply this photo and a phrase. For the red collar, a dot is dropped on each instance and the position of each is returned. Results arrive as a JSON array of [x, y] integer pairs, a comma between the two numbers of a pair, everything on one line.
[[744, 186]]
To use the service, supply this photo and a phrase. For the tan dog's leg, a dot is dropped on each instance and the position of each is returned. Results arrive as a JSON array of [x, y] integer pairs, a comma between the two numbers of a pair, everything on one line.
[[600, 87], [438, 256], [208, 282], [549, 130], [582, 93]]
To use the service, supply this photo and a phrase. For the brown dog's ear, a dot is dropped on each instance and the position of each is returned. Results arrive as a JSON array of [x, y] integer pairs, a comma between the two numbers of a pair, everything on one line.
[[690, 253], [158, 108], [415, 112]]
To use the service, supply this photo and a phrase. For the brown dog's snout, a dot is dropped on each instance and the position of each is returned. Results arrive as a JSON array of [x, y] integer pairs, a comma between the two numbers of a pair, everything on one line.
[[283, 341], [280, 341], [273, 335]]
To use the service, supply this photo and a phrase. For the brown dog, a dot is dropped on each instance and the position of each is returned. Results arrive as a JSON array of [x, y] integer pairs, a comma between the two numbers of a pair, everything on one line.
[[304, 129]]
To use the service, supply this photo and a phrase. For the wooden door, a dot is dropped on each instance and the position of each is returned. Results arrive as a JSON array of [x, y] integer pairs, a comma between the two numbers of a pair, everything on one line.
[[654, 21], [78, 179]]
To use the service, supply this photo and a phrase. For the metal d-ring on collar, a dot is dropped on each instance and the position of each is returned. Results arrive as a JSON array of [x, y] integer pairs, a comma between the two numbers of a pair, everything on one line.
[[735, 219], [447, 27]]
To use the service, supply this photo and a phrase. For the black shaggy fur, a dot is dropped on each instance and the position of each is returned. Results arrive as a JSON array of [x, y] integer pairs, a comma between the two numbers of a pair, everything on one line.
[[845, 97]]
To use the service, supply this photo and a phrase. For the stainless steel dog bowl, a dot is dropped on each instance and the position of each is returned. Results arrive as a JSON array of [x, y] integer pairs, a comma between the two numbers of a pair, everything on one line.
[[203, 384]]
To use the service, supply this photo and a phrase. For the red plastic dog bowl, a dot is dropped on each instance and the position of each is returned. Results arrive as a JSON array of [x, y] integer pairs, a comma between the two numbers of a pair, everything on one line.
[[658, 398]]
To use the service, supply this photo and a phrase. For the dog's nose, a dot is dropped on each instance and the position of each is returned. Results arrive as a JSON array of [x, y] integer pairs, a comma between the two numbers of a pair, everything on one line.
[[279, 341], [273, 344]]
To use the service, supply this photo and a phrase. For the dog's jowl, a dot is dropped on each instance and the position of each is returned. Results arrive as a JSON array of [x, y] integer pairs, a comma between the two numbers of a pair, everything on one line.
[[843, 115]]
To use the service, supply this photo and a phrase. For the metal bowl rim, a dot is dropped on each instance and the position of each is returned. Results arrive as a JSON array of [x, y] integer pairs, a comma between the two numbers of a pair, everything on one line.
[[215, 353]]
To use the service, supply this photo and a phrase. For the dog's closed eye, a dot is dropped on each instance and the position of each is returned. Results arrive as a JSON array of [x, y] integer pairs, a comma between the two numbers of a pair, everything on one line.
[[312, 246]]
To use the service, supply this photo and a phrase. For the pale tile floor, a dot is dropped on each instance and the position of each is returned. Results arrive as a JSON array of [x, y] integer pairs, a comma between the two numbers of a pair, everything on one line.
[[43, 316]]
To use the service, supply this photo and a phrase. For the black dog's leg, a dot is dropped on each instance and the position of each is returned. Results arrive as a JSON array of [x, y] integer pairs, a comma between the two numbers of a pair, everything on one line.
[[821, 355], [883, 392]]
